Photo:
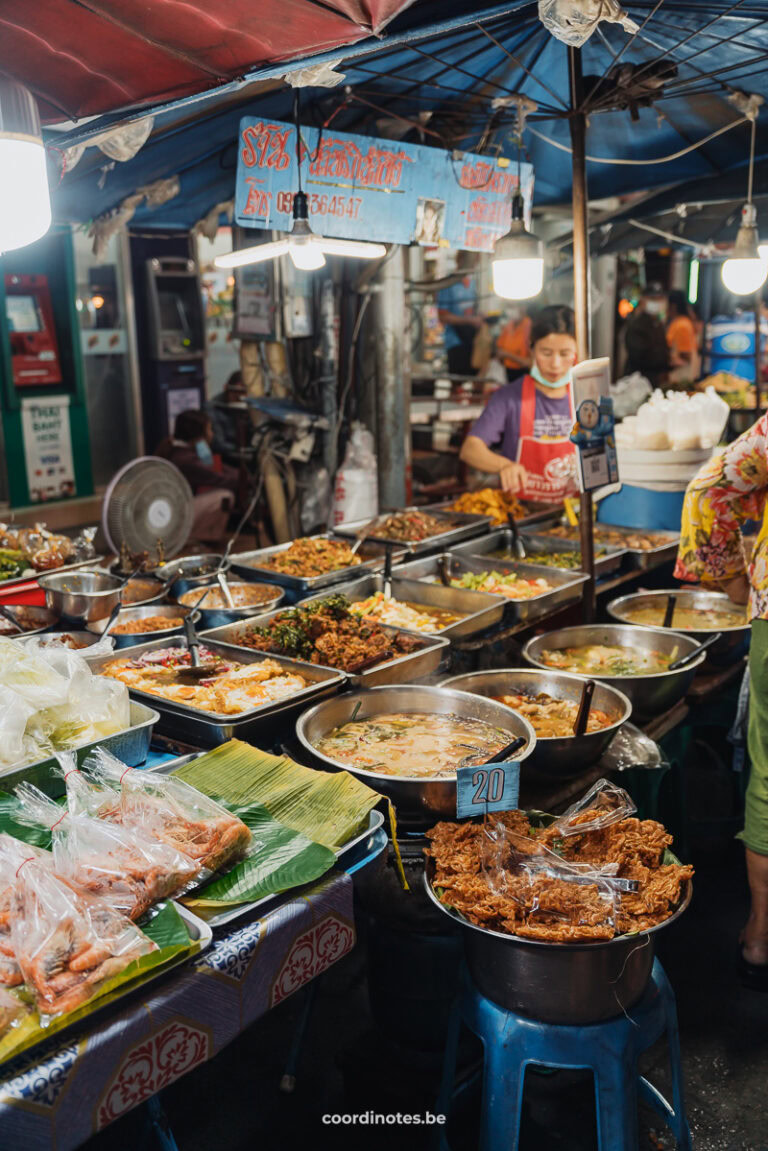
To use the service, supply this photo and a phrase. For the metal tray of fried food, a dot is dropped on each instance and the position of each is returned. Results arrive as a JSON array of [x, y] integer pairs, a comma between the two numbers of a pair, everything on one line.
[[479, 610], [372, 554], [566, 587], [638, 558], [608, 560], [458, 526], [208, 728], [535, 512], [404, 669]]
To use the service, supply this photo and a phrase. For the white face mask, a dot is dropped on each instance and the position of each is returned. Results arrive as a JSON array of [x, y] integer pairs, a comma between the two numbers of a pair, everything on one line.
[[655, 307], [545, 383]]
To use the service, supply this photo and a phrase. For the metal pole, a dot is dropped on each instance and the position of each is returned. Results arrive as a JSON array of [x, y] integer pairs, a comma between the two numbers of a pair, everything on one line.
[[581, 301], [393, 379]]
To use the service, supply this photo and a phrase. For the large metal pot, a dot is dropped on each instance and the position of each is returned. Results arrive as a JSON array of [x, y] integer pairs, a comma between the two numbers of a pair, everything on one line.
[[571, 983], [82, 595], [649, 694], [735, 640], [554, 758], [412, 795], [211, 617], [127, 614]]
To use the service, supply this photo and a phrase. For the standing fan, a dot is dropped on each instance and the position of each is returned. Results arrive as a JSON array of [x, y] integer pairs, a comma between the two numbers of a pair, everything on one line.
[[148, 500]]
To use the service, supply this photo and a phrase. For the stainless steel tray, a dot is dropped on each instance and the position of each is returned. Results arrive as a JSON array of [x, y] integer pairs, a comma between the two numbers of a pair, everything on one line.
[[567, 586], [638, 558], [404, 669], [481, 610], [210, 728], [501, 540], [23, 581], [131, 746], [536, 512], [459, 526], [247, 564]]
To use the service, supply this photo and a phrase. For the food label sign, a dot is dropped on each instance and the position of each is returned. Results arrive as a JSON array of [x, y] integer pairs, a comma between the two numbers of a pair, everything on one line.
[[48, 448], [366, 188], [487, 787]]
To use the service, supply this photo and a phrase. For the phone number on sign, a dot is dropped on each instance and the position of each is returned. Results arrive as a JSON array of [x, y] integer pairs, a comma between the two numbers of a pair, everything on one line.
[[323, 205]]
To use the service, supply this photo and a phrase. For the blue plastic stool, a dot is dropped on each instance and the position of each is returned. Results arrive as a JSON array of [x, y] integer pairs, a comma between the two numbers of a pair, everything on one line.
[[610, 1050]]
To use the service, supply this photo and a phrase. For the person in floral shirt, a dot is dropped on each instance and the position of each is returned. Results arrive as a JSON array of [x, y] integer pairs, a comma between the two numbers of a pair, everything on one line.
[[731, 488]]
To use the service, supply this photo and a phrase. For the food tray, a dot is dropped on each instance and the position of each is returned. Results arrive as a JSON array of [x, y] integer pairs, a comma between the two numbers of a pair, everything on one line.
[[536, 512], [246, 565], [25, 581], [637, 558], [459, 526], [567, 586], [404, 669], [501, 539], [131, 746], [481, 610], [208, 728]]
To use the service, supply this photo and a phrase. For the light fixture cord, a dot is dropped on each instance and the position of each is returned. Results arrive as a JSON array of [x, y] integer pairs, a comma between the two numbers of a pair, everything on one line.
[[297, 129], [751, 160]]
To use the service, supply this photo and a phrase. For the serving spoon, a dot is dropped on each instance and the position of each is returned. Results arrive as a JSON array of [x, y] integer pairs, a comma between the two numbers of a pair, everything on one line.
[[684, 660]]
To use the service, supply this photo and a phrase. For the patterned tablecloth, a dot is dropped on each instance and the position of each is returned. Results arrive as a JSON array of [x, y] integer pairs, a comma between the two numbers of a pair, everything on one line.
[[66, 1091]]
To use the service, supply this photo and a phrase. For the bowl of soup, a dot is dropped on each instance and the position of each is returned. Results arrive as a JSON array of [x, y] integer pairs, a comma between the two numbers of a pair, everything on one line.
[[634, 659], [408, 741], [549, 701], [697, 613]]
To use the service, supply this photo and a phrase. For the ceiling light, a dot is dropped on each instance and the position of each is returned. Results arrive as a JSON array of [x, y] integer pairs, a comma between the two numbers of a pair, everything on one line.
[[518, 259], [25, 202], [745, 272]]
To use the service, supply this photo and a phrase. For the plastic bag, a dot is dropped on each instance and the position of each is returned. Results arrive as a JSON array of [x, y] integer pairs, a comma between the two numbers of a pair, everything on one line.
[[356, 491], [605, 803], [573, 21], [12, 854], [628, 394], [12, 1011], [173, 812], [31, 677], [125, 867], [68, 944], [14, 715], [84, 797]]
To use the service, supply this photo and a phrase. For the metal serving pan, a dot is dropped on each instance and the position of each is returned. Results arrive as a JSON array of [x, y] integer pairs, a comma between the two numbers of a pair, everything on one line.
[[43, 618], [536, 512], [30, 580], [567, 586], [501, 540], [413, 795], [131, 746], [480, 610], [459, 526], [649, 694], [573, 983], [219, 616], [210, 728], [404, 669], [373, 554], [85, 638], [638, 558], [734, 641], [169, 611], [175, 574], [554, 757]]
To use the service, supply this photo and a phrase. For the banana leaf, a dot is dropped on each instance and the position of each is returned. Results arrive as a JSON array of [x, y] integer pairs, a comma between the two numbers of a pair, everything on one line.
[[328, 807], [37, 836], [164, 926], [280, 859]]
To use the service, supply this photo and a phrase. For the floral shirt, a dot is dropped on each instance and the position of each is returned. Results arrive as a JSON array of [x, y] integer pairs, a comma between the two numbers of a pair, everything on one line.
[[731, 488]]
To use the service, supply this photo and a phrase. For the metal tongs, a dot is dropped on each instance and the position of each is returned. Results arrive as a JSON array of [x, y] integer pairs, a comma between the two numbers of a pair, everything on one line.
[[517, 544], [363, 533], [197, 670]]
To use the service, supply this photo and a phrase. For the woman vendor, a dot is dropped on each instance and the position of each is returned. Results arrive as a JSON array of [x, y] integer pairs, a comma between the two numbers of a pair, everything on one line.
[[729, 489], [522, 436]]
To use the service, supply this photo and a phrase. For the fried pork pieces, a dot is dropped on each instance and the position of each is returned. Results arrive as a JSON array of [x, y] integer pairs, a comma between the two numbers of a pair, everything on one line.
[[551, 909]]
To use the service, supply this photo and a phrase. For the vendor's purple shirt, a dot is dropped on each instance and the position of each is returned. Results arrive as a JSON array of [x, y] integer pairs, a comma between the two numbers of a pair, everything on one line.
[[499, 425]]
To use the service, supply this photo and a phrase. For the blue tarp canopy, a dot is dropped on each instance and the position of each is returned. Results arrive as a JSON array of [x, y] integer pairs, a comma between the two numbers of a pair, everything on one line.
[[450, 85]]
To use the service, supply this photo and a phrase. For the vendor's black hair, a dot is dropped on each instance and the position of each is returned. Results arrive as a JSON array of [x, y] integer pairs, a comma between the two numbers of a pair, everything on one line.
[[191, 425], [554, 321]]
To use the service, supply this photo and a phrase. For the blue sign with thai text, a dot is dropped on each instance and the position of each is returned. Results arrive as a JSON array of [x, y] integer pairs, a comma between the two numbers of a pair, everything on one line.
[[367, 188]]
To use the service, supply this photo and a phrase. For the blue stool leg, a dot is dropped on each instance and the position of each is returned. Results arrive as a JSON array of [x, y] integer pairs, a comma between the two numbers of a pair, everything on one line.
[[679, 1120], [159, 1124], [503, 1080], [616, 1101], [443, 1105]]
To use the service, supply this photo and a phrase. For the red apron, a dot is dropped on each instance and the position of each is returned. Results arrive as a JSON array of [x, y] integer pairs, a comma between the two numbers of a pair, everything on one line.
[[551, 464]]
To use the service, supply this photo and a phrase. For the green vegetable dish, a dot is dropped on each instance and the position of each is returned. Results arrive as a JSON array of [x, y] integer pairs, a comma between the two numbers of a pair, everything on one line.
[[13, 563]]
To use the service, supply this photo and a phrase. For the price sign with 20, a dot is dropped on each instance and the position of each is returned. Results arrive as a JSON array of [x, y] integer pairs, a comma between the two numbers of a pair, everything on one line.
[[489, 787]]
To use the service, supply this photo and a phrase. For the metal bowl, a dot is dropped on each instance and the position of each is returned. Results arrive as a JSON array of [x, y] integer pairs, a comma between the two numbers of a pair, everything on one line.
[[131, 613], [42, 619], [735, 640], [572, 983], [179, 575], [649, 694], [221, 616], [156, 590], [561, 757], [82, 595], [412, 795]]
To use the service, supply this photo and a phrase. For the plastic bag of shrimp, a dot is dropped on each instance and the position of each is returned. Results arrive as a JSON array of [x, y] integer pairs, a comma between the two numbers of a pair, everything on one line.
[[173, 811], [125, 866], [13, 853], [68, 944]]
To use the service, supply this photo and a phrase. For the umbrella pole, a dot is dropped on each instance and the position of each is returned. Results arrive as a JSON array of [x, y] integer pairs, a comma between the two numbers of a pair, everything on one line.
[[580, 203]]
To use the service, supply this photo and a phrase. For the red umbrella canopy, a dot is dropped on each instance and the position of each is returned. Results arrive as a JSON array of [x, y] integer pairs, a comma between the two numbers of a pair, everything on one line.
[[86, 57]]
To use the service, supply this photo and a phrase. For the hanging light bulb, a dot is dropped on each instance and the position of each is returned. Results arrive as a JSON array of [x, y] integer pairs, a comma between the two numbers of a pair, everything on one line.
[[25, 202], [518, 259], [745, 272]]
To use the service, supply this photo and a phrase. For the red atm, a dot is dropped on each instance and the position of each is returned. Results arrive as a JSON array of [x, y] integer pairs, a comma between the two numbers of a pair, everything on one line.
[[34, 351]]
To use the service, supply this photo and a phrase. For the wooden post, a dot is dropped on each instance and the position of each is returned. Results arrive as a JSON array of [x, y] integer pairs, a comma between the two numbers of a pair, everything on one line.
[[581, 301]]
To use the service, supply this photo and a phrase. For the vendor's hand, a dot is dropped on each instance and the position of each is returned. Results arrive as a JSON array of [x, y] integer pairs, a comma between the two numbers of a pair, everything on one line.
[[474, 321], [512, 477], [737, 589]]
